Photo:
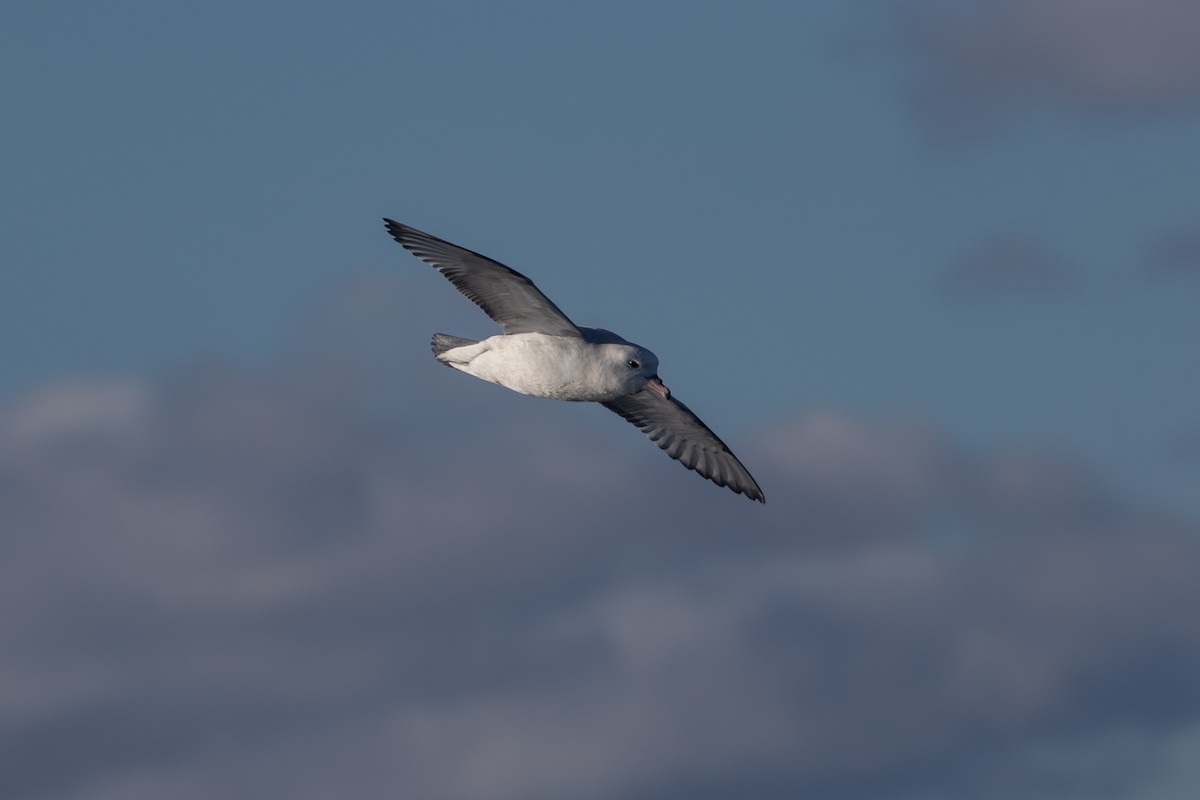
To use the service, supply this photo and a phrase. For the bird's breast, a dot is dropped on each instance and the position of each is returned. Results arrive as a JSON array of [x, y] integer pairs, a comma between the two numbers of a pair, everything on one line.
[[561, 368]]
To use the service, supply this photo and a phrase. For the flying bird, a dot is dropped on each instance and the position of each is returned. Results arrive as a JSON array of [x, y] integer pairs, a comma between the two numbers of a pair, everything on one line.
[[543, 353]]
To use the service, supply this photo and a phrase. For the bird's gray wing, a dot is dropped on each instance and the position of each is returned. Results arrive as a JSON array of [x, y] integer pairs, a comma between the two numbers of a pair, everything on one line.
[[504, 294], [672, 426]]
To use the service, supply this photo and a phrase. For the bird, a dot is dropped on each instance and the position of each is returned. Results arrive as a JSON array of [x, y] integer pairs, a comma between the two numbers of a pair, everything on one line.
[[541, 352]]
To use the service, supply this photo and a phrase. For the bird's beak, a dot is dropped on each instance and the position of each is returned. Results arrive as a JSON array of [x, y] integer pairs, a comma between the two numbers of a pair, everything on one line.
[[658, 387]]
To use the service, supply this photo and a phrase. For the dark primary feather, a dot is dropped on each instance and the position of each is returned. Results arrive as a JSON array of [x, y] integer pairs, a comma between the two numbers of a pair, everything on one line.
[[504, 294], [672, 426]]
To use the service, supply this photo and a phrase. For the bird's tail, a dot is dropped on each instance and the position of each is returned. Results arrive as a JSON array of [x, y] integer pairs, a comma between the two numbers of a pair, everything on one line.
[[443, 342]]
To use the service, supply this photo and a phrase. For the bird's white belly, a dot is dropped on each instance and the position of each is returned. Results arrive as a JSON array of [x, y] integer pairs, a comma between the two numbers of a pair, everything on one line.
[[537, 364]]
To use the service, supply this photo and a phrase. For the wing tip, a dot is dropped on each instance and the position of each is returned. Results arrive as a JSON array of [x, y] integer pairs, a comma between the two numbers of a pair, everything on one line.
[[396, 229], [750, 491]]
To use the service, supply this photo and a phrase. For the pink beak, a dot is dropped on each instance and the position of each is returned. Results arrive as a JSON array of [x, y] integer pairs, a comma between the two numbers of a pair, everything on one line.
[[658, 387]]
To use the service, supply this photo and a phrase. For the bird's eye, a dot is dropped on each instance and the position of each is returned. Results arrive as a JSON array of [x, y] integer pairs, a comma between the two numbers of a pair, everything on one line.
[[633, 364]]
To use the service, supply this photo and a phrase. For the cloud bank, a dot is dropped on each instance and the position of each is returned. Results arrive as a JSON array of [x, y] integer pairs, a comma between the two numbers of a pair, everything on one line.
[[317, 577]]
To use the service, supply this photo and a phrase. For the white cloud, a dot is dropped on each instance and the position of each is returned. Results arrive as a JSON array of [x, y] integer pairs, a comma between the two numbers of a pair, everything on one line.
[[74, 409]]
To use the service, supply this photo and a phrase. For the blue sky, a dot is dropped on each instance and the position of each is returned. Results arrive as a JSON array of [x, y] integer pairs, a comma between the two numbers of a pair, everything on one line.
[[187, 182], [911, 238]]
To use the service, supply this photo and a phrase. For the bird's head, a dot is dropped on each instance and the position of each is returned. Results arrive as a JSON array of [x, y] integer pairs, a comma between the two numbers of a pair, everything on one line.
[[638, 367]]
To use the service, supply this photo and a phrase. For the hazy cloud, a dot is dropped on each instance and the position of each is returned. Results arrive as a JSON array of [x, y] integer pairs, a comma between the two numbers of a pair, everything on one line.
[[980, 60], [1009, 265], [1176, 254], [1185, 450], [244, 583]]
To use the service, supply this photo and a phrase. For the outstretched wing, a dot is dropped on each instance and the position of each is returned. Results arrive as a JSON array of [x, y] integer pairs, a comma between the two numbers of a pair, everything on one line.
[[672, 426], [504, 294]]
